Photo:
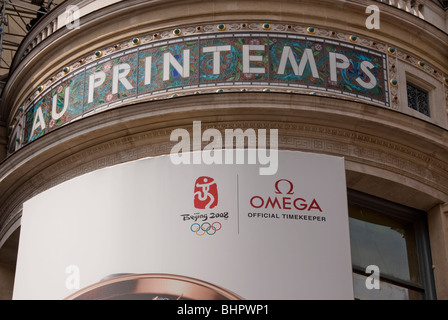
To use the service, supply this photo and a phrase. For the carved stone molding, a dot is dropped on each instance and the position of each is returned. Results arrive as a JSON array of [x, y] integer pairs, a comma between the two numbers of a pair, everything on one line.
[[366, 149]]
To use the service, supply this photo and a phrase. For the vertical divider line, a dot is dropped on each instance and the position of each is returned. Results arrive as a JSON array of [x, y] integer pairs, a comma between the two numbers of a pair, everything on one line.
[[238, 202]]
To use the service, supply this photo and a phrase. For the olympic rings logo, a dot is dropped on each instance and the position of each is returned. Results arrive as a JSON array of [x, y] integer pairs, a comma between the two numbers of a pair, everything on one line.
[[205, 228]]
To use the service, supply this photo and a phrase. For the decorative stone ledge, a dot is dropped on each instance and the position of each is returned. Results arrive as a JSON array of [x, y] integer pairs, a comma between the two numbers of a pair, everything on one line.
[[138, 131]]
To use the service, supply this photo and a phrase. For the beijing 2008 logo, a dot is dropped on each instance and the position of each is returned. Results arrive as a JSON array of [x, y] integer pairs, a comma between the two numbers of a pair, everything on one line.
[[205, 193], [205, 197]]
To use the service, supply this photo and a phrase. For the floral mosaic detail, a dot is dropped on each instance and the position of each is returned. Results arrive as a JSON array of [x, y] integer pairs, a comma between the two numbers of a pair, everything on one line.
[[73, 89], [110, 81], [170, 66], [298, 48], [347, 78]]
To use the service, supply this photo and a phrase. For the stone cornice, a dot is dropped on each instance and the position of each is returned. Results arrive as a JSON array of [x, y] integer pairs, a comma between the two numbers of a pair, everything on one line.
[[143, 130]]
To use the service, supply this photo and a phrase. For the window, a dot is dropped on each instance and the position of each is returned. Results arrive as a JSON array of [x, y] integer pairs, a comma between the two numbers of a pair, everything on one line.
[[394, 238], [418, 99]]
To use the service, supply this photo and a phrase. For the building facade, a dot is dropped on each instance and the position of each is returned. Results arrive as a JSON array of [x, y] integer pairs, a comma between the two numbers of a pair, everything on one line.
[[95, 84]]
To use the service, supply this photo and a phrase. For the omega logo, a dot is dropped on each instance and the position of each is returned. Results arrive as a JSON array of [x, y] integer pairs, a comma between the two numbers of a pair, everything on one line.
[[284, 187], [291, 186]]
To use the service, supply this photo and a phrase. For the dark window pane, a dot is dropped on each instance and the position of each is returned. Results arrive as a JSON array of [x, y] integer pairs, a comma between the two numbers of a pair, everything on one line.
[[377, 239], [418, 99]]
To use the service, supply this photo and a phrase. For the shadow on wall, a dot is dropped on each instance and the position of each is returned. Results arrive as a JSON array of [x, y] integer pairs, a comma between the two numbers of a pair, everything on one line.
[[8, 260]]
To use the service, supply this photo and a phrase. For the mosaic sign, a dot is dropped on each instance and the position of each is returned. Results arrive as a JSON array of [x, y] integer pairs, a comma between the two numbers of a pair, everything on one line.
[[233, 59]]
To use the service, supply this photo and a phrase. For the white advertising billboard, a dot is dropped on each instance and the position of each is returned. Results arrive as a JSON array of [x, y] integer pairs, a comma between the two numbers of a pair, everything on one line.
[[154, 230]]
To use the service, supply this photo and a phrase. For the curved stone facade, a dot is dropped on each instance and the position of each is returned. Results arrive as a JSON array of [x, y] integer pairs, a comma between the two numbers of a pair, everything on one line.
[[391, 151]]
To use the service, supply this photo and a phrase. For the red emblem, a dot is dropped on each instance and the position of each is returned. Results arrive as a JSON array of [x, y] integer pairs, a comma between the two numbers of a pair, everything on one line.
[[205, 193]]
